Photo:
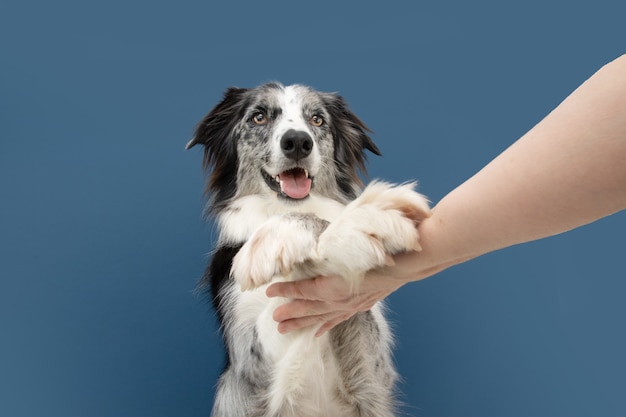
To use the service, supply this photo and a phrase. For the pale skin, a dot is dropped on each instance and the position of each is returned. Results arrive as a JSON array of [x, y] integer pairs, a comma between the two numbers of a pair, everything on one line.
[[568, 171]]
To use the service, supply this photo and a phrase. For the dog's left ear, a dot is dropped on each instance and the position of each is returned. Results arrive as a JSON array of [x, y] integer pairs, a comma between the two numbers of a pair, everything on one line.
[[366, 140], [351, 135]]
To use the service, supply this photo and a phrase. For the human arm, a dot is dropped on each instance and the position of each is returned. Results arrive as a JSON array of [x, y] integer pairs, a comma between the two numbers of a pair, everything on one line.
[[569, 170]]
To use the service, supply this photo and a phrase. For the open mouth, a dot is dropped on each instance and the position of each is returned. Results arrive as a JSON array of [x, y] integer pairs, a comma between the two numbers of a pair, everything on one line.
[[293, 183]]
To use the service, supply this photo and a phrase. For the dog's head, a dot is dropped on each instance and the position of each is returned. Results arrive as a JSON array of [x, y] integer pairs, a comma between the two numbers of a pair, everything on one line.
[[287, 141]]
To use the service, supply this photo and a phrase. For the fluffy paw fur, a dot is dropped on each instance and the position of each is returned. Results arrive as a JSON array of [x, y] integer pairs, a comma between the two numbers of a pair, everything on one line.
[[275, 247], [381, 222]]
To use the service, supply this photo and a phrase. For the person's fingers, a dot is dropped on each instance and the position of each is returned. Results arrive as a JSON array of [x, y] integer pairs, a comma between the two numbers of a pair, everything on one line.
[[301, 308], [306, 289], [301, 323], [325, 322], [332, 323], [324, 301]]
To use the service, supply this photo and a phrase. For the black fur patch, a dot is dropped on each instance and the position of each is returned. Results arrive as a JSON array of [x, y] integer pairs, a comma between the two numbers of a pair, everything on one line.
[[217, 276], [216, 132]]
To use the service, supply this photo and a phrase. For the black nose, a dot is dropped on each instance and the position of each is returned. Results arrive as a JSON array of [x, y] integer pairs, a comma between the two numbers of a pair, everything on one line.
[[296, 144]]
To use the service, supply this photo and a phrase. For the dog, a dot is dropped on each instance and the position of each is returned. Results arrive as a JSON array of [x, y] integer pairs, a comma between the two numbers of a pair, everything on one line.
[[284, 190]]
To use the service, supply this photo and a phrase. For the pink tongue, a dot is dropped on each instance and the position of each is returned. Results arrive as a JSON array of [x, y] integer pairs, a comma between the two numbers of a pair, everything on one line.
[[295, 183]]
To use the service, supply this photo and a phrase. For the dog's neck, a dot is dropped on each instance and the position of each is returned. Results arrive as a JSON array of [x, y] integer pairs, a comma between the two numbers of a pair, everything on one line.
[[244, 215]]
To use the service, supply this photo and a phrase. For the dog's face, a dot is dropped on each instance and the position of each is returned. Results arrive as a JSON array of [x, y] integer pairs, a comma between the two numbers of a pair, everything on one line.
[[282, 141]]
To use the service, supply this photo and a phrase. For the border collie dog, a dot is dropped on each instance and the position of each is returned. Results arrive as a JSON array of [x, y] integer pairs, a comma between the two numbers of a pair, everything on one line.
[[283, 165]]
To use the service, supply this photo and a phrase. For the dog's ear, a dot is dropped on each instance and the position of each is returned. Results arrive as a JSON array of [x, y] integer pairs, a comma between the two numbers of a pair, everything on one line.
[[351, 137], [363, 130], [215, 131], [218, 121]]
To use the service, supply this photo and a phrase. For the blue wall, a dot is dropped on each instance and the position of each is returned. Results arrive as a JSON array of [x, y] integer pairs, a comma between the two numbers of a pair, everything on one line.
[[101, 236]]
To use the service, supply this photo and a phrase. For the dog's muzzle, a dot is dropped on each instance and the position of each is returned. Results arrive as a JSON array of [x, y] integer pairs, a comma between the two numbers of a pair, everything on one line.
[[294, 183]]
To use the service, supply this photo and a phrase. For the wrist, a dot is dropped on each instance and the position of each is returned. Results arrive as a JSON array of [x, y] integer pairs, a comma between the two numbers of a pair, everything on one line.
[[436, 255]]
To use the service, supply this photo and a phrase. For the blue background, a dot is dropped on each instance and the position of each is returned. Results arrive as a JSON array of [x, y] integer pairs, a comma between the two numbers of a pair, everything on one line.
[[101, 235]]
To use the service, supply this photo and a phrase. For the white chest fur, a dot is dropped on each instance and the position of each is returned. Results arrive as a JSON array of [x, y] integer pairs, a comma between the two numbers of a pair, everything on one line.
[[305, 375], [248, 213]]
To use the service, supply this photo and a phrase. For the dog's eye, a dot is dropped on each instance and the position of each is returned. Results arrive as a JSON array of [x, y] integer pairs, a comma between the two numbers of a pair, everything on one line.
[[259, 118], [316, 120]]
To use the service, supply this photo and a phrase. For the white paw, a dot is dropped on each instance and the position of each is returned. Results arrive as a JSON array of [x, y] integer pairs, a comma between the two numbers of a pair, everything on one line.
[[381, 222], [274, 248], [396, 211]]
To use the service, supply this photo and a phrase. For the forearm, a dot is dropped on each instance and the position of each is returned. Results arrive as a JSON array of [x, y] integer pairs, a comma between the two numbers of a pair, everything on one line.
[[567, 171]]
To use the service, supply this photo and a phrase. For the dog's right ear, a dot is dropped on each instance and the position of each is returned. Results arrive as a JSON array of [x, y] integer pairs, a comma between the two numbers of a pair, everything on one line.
[[217, 123], [215, 132]]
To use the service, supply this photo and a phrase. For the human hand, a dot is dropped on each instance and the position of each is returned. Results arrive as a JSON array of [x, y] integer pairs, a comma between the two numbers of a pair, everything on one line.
[[328, 300]]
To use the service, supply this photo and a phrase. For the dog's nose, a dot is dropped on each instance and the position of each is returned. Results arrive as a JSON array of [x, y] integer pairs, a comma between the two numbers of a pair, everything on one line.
[[296, 144]]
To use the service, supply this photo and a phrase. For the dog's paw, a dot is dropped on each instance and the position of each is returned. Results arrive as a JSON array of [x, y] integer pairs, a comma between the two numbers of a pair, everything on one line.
[[396, 211], [381, 222], [274, 249]]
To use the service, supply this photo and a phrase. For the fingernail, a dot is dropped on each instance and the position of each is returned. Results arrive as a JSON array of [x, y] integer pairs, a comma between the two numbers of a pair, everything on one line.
[[276, 315]]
